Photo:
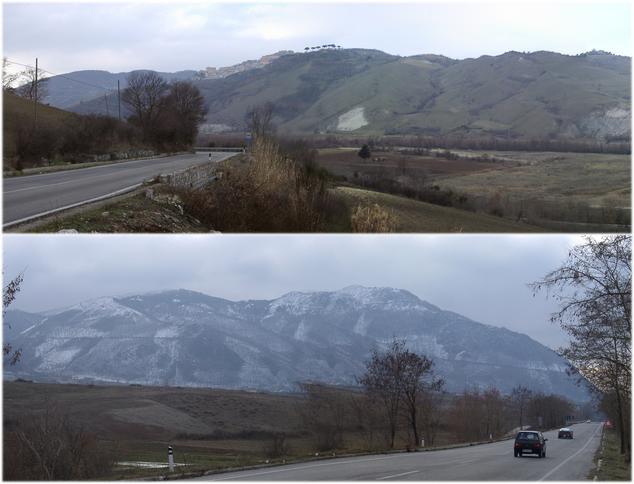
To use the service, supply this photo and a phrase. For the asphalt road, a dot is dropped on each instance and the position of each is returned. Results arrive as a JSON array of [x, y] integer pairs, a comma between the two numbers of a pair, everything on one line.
[[565, 460], [35, 195]]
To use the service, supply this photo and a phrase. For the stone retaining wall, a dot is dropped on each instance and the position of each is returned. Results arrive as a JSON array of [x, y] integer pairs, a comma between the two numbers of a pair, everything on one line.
[[193, 177]]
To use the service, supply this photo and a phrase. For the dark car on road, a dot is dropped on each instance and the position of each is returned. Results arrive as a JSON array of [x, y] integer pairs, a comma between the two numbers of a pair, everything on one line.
[[564, 433], [529, 441]]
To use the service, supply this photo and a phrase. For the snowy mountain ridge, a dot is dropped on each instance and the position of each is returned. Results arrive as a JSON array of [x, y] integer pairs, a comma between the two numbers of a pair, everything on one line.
[[186, 338]]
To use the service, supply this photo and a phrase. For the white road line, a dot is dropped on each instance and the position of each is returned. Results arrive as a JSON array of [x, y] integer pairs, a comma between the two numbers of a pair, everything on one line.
[[108, 165], [573, 455], [397, 475], [295, 468], [73, 205], [37, 187]]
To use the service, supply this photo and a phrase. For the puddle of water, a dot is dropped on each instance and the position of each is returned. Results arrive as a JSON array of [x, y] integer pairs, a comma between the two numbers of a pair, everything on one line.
[[148, 465]]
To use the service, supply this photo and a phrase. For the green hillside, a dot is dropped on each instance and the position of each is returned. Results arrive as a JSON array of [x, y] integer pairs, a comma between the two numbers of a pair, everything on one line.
[[516, 95], [18, 113]]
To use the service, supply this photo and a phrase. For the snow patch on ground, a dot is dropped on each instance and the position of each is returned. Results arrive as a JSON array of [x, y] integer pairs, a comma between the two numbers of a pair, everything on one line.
[[29, 329], [361, 326], [351, 120], [301, 333], [167, 333], [57, 359]]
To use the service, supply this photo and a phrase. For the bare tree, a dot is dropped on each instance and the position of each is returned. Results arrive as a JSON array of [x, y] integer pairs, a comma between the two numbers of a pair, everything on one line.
[[430, 414], [260, 121], [416, 379], [47, 446], [183, 109], [520, 396], [493, 412], [8, 78], [594, 290], [9, 293], [382, 380], [367, 416], [32, 86], [398, 377], [548, 411], [144, 97], [324, 413]]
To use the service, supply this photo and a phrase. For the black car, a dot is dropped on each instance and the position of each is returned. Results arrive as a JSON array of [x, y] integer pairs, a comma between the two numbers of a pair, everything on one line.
[[529, 441], [564, 433]]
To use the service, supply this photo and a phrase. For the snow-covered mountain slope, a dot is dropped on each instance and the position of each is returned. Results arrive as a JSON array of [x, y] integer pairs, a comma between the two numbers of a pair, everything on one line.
[[190, 339]]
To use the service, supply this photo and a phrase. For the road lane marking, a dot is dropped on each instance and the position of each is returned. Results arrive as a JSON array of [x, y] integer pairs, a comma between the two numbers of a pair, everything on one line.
[[573, 455], [72, 205], [108, 165], [296, 468], [36, 187], [397, 475]]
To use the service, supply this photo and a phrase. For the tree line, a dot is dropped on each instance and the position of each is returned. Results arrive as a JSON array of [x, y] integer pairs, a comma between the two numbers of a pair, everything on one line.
[[593, 287], [165, 118], [401, 403]]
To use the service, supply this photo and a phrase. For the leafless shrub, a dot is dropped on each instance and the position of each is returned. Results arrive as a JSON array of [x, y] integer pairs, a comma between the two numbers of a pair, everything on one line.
[[324, 414], [272, 193], [367, 416], [278, 446], [49, 447]]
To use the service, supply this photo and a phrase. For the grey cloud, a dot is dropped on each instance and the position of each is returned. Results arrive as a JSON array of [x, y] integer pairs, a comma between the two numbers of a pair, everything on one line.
[[175, 36]]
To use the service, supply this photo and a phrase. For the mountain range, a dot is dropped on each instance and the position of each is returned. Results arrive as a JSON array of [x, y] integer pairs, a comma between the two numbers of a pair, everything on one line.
[[185, 338], [517, 95]]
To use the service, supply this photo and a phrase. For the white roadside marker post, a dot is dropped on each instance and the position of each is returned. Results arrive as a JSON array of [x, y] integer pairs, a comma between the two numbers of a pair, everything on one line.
[[170, 458]]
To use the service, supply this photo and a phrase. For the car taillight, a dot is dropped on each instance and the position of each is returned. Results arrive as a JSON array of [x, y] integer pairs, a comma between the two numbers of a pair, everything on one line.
[[537, 445]]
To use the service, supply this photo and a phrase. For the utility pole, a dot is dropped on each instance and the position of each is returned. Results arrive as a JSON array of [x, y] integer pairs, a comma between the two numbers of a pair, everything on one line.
[[35, 97], [119, 98], [105, 98]]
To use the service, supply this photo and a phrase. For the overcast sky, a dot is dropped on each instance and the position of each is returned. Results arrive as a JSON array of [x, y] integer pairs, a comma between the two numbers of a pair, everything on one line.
[[175, 36], [481, 277]]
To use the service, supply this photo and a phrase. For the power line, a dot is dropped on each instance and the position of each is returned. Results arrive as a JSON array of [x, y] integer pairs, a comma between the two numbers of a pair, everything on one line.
[[111, 90], [108, 91]]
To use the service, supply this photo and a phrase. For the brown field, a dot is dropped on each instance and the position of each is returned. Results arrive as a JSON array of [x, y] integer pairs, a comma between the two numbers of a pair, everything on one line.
[[555, 191], [345, 162], [415, 216], [208, 428]]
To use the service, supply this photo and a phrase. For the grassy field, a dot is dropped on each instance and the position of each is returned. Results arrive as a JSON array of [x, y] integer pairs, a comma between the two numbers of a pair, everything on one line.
[[15, 107], [415, 216], [208, 428], [596, 179], [346, 162], [556, 191], [613, 466]]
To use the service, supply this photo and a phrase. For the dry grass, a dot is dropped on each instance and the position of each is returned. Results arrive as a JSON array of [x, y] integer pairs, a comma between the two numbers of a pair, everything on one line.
[[557, 191], [270, 194], [346, 162], [613, 464], [414, 216], [373, 219]]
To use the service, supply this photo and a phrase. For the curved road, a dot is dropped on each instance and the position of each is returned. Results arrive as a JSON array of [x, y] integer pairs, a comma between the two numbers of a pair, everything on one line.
[[27, 197], [565, 460]]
